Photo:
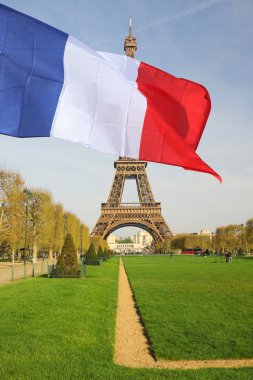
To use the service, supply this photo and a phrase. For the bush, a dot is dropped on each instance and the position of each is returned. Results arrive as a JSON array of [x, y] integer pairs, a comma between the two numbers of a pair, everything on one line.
[[67, 264], [91, 254], [100, 252], [110, 253]]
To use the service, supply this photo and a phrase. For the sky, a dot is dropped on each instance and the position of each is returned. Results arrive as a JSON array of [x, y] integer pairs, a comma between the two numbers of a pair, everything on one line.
[[206, 41]]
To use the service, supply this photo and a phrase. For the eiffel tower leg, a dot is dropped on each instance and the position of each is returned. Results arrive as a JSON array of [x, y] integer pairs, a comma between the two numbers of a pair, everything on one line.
[[116, 192], [144, 189]]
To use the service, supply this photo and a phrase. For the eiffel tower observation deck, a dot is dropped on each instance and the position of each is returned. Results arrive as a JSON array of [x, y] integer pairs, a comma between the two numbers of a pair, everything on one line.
[[146, 214]]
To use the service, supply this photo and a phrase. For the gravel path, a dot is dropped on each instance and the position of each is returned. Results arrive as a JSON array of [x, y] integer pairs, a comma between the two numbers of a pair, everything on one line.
[[131, 345]]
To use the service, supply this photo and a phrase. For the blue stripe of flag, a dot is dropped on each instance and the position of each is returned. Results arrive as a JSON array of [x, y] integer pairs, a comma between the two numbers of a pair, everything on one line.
[[31, 74]]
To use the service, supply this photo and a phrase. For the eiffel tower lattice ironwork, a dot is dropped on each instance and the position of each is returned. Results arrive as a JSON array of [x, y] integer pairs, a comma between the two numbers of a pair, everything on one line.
[[147, 213]]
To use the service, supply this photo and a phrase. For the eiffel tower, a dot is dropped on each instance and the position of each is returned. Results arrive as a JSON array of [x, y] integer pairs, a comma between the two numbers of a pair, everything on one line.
[[147, 213]]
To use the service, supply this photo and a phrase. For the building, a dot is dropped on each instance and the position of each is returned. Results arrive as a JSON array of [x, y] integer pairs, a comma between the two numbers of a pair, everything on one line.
[[143, 238], [139, 243]]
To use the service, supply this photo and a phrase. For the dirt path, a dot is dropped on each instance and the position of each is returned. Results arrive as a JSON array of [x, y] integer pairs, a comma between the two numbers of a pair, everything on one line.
[[131, 345]]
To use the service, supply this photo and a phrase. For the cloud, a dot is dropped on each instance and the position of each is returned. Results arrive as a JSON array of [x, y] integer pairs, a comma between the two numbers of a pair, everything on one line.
[[190, 11], [193, 10]]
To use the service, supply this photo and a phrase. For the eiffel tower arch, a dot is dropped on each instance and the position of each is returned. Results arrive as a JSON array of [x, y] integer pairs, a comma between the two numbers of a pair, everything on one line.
[[145, 214]]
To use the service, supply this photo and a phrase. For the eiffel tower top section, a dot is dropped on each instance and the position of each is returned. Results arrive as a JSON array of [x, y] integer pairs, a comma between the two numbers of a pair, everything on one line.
[[130, 45]]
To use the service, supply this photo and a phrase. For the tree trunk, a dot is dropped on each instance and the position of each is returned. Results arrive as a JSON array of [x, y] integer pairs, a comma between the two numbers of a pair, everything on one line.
[[19, 254], [35, 250], [13, 256], [50, 254]]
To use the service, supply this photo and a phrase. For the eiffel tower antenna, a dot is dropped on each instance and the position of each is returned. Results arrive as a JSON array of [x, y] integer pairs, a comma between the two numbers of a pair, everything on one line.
[[130, 25]]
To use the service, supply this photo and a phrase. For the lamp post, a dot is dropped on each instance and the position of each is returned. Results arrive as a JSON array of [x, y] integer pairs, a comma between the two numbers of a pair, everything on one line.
[[28, 194]]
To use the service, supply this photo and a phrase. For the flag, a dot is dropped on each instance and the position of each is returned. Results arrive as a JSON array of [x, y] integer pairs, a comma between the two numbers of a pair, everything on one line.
[[52, 85]]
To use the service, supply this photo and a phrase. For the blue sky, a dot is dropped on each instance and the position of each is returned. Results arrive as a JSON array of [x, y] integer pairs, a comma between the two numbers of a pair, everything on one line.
[[207, 41]]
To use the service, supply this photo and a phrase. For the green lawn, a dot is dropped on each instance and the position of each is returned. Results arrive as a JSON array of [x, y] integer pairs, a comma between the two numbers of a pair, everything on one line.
[[63, 329], [195, 308]]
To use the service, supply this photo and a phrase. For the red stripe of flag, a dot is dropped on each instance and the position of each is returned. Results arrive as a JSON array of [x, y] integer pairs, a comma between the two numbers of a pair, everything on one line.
[[177, 112]]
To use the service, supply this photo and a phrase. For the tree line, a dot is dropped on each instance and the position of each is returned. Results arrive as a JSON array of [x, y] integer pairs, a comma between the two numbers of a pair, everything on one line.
[[236, 238], [32, 215]]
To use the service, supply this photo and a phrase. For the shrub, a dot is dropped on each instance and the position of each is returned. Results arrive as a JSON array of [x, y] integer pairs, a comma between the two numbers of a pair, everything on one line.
[[67, 264], [100, 252], [91, 254]]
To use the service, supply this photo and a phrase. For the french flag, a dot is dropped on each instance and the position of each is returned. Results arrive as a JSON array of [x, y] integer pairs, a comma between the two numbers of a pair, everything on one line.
[[54, 85]]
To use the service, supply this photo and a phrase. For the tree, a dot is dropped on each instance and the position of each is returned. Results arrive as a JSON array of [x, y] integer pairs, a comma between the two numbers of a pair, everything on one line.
[[73, 227], [100, 252], [12, 211], [249, 233], [229, 238], [45, 220], [58, 237], [166, 246], [106, 252], [124, 240], [40, 219], [91, 255], [84, 238], [67, 264], [99, 241], [191, 241]]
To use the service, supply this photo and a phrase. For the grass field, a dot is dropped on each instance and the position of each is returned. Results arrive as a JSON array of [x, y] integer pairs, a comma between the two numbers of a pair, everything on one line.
[[63, 329], [195, 308]]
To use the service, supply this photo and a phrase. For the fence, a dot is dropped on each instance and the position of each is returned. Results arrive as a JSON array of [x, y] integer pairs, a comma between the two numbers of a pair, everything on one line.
[[18, 271]]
